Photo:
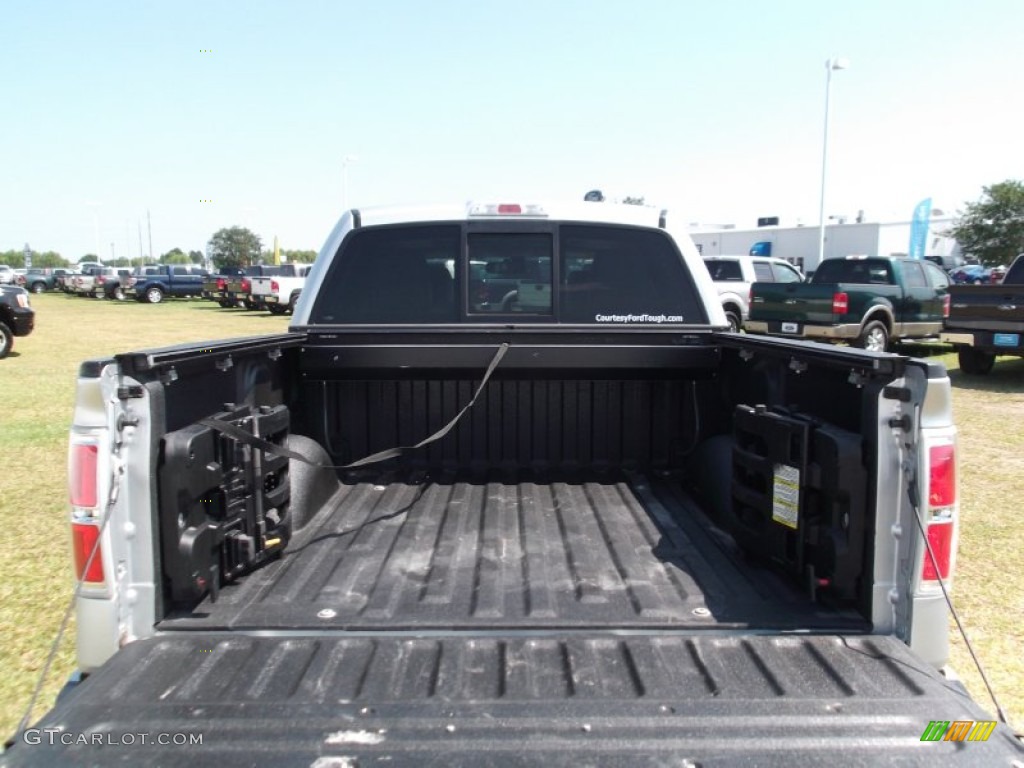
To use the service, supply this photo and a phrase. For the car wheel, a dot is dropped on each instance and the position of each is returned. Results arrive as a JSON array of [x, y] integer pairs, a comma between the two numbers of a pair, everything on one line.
[[154, 295], [38, 287], [735, 321], [292, 302], [250, 304], [117, 294], [225, 304], [975, 362], [6, 340], [276, 309], [874, 337]]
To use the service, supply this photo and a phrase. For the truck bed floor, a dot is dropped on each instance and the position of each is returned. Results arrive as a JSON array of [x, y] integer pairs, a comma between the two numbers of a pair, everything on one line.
[[422, 553]]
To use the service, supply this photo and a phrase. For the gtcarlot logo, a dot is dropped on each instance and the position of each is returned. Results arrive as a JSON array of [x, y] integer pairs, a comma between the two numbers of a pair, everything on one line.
[[60, 737]]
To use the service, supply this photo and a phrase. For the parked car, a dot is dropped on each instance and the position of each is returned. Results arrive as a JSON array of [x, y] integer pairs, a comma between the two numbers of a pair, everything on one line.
[[101, 281], [733, 276], [865, 301], [6, 275], [65, 282], [40, 279], [997, 274], [215, 287], [986, 321], [973, 274], [17, 318], [280, 293], [163, 281]]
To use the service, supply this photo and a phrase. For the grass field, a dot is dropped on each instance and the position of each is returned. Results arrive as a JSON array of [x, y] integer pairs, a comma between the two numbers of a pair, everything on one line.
[[37, 393]]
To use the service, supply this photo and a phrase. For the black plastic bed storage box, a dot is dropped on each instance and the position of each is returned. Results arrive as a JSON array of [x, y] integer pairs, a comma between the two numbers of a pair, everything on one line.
[[798, 496], [224, 503]]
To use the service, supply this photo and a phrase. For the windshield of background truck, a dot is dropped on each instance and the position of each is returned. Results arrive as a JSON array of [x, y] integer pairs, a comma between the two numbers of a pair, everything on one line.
[[866, 271], [569, 273]]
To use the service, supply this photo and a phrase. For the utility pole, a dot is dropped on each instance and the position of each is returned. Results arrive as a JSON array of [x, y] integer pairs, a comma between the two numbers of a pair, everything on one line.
[[142, 258], [149, 226]]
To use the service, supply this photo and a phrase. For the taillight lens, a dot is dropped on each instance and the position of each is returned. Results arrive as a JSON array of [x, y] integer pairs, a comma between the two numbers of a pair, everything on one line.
[[82, 480], [274, 286], [942, 511], [945, 305], [941, 476], [940, 536], [84, 537], [245, 286], [840, 303]]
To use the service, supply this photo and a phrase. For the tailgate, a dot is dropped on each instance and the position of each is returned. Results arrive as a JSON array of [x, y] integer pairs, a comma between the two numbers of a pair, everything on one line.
[[260, 286], [533, 699], [795, 302], [991, 307]]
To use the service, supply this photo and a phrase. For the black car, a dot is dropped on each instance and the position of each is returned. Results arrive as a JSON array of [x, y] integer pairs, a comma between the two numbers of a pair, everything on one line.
[[17, 318]]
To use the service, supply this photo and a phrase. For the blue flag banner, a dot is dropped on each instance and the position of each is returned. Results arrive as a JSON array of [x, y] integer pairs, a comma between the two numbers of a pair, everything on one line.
[[919, 228]]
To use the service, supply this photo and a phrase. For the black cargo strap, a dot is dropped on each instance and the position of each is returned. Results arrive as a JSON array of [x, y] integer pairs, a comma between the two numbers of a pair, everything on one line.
[[241, 435]]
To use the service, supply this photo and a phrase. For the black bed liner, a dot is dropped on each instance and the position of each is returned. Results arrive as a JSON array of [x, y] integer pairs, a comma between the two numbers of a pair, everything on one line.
[[620, 552], [668, 698]]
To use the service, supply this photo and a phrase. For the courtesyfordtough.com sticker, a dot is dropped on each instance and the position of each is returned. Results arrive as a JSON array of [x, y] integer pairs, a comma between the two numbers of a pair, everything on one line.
[[638, 318]]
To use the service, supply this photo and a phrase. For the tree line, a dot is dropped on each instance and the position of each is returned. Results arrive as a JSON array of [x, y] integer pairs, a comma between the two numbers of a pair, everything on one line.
[[229, 247], [990, 229]]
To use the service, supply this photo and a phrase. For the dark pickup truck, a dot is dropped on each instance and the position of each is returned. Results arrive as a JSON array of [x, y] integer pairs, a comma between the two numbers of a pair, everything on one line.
[[160, 282], [986, 321], [865, 301], [215, 287], [17, 318], [618, 534]]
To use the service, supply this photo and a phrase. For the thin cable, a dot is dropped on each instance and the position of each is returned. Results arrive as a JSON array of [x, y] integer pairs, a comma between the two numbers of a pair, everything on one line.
[[970, 648], [80, 579]]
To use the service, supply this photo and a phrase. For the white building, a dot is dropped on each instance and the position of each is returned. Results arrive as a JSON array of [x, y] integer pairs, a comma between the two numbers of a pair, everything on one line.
[[799, 245]]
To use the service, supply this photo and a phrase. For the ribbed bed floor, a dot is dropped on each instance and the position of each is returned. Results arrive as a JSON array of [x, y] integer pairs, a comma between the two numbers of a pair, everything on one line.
[[629, 552]]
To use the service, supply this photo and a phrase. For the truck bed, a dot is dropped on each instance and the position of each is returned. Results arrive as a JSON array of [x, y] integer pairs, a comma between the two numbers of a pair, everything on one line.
[[433, 552]]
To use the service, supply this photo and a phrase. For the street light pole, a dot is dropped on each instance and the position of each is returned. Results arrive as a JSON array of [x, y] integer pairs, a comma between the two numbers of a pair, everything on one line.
[[830, 65]]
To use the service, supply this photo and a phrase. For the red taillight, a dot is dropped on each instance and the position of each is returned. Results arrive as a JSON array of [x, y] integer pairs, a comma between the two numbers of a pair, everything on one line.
[[940, 536], [84, 537], [942, 476], [246, 285], [840, 303], [945, 305], [274, 286], [82, 482], [941, 518], [510, 208], [222, 285]]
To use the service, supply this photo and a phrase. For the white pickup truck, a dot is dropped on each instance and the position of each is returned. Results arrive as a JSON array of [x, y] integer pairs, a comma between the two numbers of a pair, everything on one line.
[[616, 535], [733, 276], [280, 293]]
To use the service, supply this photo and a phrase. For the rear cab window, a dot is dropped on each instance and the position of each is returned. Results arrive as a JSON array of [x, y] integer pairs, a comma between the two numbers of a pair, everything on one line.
[[864, 271], [484, 272], [724, 269]]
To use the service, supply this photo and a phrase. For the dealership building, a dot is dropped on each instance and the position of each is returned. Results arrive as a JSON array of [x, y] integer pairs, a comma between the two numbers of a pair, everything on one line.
[[799, 245]]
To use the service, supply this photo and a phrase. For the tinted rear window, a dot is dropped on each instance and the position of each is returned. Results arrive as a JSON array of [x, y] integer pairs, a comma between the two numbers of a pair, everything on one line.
[[620, 275], [393, 275], [437, 274], [873, 271]]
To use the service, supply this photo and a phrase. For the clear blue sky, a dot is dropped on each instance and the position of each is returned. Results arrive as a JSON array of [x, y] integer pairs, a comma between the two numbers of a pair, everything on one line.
[[714, 110]]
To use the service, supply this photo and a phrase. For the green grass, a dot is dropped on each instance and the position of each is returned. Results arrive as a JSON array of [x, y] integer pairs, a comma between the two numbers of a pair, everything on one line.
[[37, 385]]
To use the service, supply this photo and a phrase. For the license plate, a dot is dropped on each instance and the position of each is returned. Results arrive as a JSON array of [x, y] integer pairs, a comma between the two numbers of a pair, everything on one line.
[[790, 327], [1006, 339]]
